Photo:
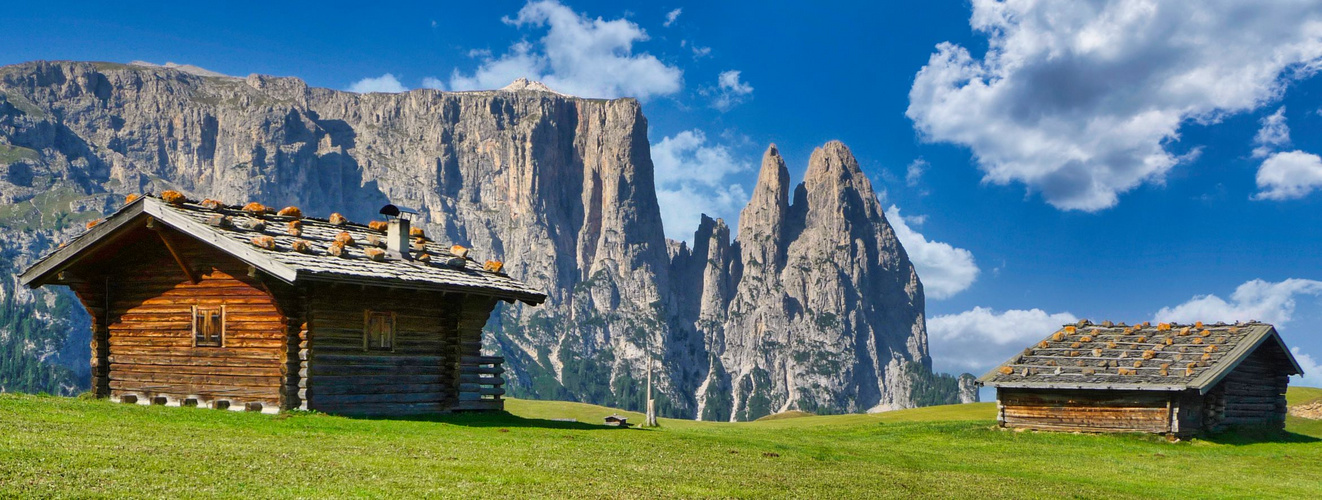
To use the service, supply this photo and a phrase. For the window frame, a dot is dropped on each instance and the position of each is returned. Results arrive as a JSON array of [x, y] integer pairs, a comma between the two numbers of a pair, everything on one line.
[[220, 336], [391, 332]]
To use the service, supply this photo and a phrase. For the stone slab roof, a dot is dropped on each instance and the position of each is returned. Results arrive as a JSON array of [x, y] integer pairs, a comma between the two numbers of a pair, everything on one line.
[[443, 272], [1162, 357]]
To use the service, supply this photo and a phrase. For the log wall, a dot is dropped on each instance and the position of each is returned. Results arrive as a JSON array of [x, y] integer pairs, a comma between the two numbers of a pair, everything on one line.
[[338, 375], [149, 339], [1252, 394], [1086, 411]]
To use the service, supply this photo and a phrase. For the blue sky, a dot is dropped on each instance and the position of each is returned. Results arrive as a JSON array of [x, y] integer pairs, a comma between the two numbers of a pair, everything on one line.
[[1120, 160]]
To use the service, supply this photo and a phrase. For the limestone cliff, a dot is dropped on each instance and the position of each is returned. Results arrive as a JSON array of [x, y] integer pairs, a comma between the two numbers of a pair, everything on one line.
[[814, 306]]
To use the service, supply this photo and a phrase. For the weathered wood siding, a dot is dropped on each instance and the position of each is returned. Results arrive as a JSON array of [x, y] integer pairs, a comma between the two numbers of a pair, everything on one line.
[[1252, 394], [1087, 411], [338, 375], [149, 329]]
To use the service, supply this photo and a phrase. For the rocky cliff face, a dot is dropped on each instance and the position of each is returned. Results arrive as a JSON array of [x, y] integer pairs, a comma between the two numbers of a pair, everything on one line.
[[815, 306]]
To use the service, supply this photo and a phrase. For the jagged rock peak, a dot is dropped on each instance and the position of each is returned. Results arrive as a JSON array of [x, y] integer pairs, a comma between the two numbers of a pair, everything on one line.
[[762, 221], [526, 85], [833, 166]]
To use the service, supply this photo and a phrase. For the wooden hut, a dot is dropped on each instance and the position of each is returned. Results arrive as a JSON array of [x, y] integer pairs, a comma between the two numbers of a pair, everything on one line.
[[241, 308], [1170, 379]]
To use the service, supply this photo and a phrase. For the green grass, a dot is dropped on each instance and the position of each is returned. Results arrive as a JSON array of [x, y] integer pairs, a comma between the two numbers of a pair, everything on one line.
[[10, 154], [54, 446]]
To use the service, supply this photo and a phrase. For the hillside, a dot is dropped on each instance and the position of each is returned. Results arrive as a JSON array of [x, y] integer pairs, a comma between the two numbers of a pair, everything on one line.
[[51, 445], [814, 306]]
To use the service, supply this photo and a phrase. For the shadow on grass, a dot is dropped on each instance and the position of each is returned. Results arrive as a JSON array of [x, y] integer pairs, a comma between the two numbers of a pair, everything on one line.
[[489, 419], [1255, 435]]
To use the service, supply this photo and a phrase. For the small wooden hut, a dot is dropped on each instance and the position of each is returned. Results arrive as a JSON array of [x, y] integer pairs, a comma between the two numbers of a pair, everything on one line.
[[1169, 379], [241, 308]]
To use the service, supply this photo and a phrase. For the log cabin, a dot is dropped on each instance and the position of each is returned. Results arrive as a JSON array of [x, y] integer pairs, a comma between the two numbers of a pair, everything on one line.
[[1170, 379], [210, 305]]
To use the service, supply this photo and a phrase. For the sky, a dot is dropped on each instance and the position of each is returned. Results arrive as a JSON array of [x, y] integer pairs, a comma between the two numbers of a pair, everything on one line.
[[1041, 162]]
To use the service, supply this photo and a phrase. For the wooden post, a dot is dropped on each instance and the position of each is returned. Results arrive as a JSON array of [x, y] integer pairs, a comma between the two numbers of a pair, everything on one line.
[[651, 403]]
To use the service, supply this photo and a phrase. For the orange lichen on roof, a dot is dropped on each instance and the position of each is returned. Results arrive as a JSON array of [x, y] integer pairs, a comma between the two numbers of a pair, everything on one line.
[[1149, 354], [336, 248], [1169, 341], [1198, 324], [1204, 333], [1138, 363], [344, 238], [1110, 344], [1005, 370], [1076, 345], [1184, 331], [211, 204], [1161, 327], [1142, 339], [1070, 329], [424, 257], [1165, 367], [93, 223], [1210, 348], [1085, 338], [494, 266], [173, 197], [294, 212], [255, 208], [1197, 340], [338, 219], [131, 198], [417, 232], [1096, 353], [1058, 336], [1126, 371], [295, 228], [302, 246], [459, 251], [266, 242], [375, 254], [378, 225]]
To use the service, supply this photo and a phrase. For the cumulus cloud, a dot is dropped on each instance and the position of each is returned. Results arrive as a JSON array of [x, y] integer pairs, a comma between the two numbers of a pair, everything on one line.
[[943, 269], [729, 90], [383, 83], [1254, 300], [1312, 370], [672, 16], [1273, 135], [1079, 101], [978, 339], [692, 179], [1289, 175], [578, 55], [432, 82]]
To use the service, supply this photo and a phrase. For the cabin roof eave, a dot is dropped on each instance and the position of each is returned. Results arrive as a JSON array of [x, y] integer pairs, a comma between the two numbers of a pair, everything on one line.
[[40, 273]]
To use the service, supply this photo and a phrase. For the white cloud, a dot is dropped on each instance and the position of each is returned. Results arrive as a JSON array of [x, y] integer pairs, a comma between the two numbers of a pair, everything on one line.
[[691, 179], [701, 52], [729, 90], [1080, 100], [1312, 370], [672, 16], [1289, 175], [1273, 135], [914, 174], [943, 269], [578, 55], [978, 339], [432, 82], [383, 83], [1254, 300]]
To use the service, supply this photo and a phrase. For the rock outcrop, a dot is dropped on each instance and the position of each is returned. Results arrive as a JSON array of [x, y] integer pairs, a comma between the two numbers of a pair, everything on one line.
[[815, 306]]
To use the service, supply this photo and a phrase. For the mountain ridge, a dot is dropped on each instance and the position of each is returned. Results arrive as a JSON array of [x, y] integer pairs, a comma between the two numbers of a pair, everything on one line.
[[561, 188]]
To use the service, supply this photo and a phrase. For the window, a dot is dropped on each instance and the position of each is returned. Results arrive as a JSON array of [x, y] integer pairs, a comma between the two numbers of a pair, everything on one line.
[[208, 326], [379, 331]]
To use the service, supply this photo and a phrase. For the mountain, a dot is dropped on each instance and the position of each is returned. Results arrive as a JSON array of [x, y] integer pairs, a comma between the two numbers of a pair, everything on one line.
[[814, 306]]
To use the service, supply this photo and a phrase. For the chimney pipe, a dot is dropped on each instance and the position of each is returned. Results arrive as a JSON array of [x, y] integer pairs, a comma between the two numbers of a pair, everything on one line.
[[397, 238]]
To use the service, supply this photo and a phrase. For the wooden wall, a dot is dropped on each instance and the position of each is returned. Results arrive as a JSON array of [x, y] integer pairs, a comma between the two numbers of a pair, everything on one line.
[[339, 376], [1252, 394], [148, 341], [1086, 411]]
